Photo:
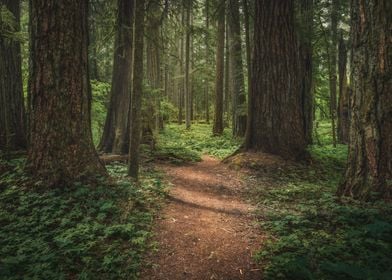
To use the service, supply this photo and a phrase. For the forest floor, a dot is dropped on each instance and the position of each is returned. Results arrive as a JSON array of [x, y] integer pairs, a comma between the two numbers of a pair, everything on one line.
[[207, 230]]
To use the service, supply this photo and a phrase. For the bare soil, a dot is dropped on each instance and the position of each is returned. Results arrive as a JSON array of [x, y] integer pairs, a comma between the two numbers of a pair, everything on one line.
[[207, 229]]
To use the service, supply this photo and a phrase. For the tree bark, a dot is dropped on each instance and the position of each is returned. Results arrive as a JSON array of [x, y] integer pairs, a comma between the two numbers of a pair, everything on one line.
[[115, 138], [187, 63], [12, 112], [276, 124], [61, 150], [136, 103], [344, 95], [218, 120], [207, 37], [306, 52], [332, 68], [236, 69], [154, 62], [369, 170]]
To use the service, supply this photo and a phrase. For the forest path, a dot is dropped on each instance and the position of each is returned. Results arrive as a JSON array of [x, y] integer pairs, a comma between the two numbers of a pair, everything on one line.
[[206, 231]]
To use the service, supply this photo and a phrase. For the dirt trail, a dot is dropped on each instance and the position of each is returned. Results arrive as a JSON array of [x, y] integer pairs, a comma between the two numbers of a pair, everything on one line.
[[206, 231]]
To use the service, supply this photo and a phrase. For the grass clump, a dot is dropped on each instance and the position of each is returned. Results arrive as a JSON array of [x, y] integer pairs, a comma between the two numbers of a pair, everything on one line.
[[315, 235], [76, 232], [182, 144]]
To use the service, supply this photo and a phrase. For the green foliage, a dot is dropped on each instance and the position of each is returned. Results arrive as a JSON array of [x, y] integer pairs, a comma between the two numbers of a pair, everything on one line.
[[8, 25], [180, 144], [80, 232], [315, 235], [100, 93]]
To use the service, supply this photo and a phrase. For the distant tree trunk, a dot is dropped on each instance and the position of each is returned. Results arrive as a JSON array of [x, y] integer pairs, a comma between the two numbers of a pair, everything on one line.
[[247, 43], [276, 124], [249, 121], [181, 87], [227, 94], [344, 95], [187, 62], [115, 138], [61, 149], [136, 103], [236, 69], [12, 113], [369, 170], [154, 61], [306, 52], [207, 101], [332, 67], [220, 54]]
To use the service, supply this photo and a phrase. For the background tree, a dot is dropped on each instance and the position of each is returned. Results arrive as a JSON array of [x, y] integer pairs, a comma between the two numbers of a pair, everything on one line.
[[369, 169], [276, 124], [344, 94], [12, 113], [137, 83], [306, 53], [236, 68], [218, 119], [61, 148], [115, 138]]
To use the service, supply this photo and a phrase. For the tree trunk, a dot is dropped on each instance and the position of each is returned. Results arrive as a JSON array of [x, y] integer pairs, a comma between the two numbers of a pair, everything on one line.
[[220, 54], [187, 62], [236, 69], [207, 101], [332, 67], [12, 113], [276, 124], [227, 94], [61, 150], [154, 62], [344, 95], [369, 171], [136, 103], [115, 138], [181, 86], [306, 52]]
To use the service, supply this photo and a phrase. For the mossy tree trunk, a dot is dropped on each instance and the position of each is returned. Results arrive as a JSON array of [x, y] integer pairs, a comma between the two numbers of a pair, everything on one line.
[[61, 149], [12, 113], [369, 169], [276, 124], [115, 138]]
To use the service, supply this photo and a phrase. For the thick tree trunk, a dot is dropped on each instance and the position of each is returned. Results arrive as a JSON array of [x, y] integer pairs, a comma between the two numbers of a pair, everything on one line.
[[276, 124], [344, 95], [12, 113], [61, 149], [136, 103], [369, 170], [306, 52], [115, 138], [220, 54], [236, 69]]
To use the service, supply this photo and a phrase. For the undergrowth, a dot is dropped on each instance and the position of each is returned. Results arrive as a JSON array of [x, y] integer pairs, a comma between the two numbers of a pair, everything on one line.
[[315, 235], [77, 232], [181, 145]]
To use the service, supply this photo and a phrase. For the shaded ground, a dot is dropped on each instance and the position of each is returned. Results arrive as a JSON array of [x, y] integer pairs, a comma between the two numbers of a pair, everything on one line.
[[206, 231]]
